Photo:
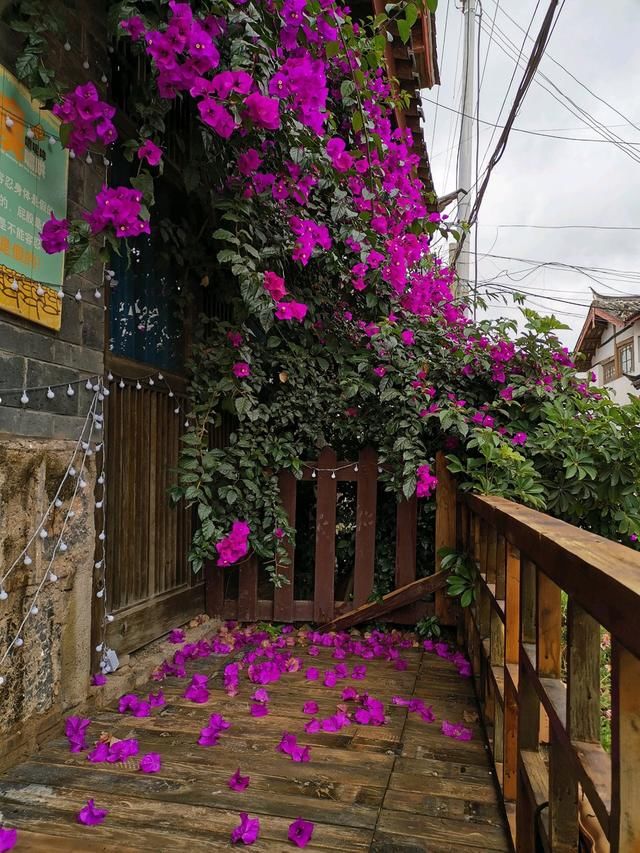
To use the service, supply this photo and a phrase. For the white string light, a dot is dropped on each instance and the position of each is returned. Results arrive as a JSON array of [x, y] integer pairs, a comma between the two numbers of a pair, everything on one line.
[[59, 545]]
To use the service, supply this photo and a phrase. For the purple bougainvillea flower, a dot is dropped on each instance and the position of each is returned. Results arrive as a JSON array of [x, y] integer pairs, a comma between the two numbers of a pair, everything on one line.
[[362, 716], [90, 815], [359, 672], [314, 651], [330, 678], [247, 831], [287, 743], [150, 152], [128, 702], [151, 762], [123, 749], [312, 726], [312, 674], [238, 782], [98, 679], [209, 736], [197, 693], [456, 730], [219, 722], [310, 708], [398, 700], [157, 700], [75, 729], [99, 753], [259, 710], [301, 753], [260, 695], [300, 832], [142, 709], [349, 694], [8, 839], [176, 636]]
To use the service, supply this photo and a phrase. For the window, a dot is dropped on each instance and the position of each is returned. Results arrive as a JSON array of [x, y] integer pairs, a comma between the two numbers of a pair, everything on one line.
[[625, 356], [609, 371]]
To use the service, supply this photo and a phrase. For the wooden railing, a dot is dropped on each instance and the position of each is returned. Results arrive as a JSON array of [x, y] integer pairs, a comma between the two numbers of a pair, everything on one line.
[[538, 673], [249, 600]]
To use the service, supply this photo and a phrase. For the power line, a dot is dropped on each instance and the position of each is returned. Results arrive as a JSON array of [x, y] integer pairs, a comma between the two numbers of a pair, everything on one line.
[[530, 132], [566, 70], [454, 122], [444, 45], [560, 227], [565, 101], [530, 70], [561, 264]]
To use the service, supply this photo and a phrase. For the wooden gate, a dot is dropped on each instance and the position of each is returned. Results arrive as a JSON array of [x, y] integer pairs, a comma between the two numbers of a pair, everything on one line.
[[150, 584], [327, 471]]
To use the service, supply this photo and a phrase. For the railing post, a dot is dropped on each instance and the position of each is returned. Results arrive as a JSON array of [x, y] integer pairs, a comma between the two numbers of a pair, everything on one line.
[[583, 668], [511, 659], [446, 534], [625, 749]]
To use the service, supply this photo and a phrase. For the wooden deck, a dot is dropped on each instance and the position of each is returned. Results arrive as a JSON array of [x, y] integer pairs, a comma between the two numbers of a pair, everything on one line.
[[401, 787]]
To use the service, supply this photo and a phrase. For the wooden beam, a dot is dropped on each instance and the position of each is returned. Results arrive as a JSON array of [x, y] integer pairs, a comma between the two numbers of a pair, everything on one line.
[[408, 594]]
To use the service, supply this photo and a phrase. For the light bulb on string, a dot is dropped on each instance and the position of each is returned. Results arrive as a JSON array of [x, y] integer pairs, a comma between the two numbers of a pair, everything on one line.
[[100, 593], [105, 392], [78, 296], [3, 594], [313, 474], [98, 564], [102, 536], [1, 680], [61, 294], [57, 503], [104, 79], [72, 154], [30, 134], [43, 534], [151, 382], [24, 399], [50, 394], [52, 140], [82, 483], [379, 469], [97, 294], [27, 560], [99, 647], [121, 383], [105, 162], [18, 642], [67, 46], [96, 386], [62, 546], [70, 391], [109, 617], [138, 385], [71, 514], [355, 467], [40, 290], [109, 376], [34, 610], [101, 479], [99, 504], [53, 577], [72, 471], [186, 424], [160, 377], [9, 121], [176, 411], [333, 475], [15, 285], [98, 447], [171, 393]]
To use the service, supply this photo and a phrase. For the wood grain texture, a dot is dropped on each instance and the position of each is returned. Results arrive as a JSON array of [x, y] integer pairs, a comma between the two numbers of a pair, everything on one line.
[[367, 499], [325, 555], [446, 534], [283, 596], [365, 788]]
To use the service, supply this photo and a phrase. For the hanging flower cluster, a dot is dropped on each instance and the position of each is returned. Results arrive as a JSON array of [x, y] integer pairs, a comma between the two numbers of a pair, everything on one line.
[[89, 119], [235, 545]]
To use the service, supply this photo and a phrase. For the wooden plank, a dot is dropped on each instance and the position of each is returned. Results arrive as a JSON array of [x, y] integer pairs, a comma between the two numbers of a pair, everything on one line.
[[445, 534], [325, 555], [214, 588], [406, 545], [136, 626], [512, 605], [528, 581], [510, 739], [563, 799], [548, 627], [583, 682], [367, 498], [625, 814], [390, 602], [601, 575], [154, 462], [248, 589], [283, 596]]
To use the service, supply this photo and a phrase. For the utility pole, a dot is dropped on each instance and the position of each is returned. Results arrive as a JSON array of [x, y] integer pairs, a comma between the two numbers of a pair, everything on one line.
[[465, 154]]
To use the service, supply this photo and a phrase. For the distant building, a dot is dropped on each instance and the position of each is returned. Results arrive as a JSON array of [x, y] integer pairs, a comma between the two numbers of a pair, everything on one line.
[[609, 344]]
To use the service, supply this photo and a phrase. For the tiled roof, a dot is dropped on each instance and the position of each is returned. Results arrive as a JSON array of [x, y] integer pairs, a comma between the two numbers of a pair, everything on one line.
[[623, 307]]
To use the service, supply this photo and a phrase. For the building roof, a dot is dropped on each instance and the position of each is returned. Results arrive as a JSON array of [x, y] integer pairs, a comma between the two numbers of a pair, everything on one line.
[[619, 311]]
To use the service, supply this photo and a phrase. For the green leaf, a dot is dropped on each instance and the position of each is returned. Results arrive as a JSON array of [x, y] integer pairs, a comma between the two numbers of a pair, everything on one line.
[[357, 121], [404, 30], [432, 5], [411, 14]]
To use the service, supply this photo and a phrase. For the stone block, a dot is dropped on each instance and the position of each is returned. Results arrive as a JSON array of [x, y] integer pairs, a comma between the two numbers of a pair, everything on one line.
[[12, 375], [40, 375], [93, 326]]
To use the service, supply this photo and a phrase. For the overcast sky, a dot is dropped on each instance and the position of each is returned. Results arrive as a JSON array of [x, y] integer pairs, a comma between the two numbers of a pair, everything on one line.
[[542, 181]]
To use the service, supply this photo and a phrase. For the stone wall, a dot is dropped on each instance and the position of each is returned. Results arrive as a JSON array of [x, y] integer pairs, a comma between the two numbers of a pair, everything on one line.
[[50, 673]]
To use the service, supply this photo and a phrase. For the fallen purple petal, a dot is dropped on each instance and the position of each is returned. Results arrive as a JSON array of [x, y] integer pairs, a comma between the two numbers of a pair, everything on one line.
[[90, 815], [238, 782], [247, 831], [310, 708], [300, 832], [8, 839], [151, 762]]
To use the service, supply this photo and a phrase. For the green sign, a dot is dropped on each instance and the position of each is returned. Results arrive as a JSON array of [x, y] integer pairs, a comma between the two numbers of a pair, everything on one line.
[[33, 183]]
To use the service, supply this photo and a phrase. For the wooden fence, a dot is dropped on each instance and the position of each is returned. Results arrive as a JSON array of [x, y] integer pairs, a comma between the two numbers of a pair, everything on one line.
[[540, 693], [327, 472]]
